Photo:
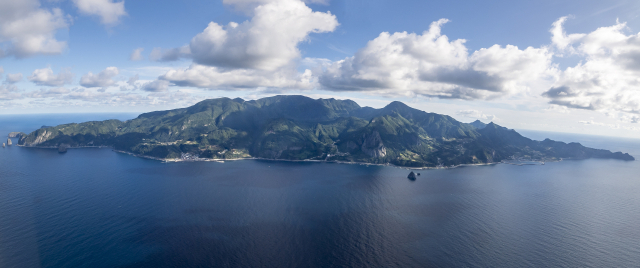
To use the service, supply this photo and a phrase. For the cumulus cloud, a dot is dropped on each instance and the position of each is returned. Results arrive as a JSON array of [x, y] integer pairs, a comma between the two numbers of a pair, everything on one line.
[[260, 52], [26, 29], [13, 78], [559, 37], [156, 86], [475, 114], [109, 11], [136, 55], [102, 79], [268, 41], [608, 79], [248, 6], [133, 83], [431, 65], [45, 77]]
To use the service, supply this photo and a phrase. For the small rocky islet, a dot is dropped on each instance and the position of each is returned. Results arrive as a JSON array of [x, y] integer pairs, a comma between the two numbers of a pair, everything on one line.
[[63, 148]]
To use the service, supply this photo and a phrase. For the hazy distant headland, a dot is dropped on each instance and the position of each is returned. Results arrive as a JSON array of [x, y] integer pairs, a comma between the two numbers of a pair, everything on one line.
[[301, 128]]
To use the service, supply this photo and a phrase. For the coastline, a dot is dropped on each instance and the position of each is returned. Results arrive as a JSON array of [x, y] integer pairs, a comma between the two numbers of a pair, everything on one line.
[[176, 160]]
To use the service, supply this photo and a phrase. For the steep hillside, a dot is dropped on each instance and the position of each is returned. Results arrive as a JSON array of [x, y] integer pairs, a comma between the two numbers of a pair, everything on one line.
[[298, 127]]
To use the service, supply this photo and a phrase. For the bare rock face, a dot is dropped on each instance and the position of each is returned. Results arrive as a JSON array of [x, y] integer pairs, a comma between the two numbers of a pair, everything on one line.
[[9, 142], [372, 145], [40, 138], [16, 134]]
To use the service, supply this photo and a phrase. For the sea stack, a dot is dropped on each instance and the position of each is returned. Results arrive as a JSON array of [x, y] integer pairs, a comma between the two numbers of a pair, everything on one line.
[[8, 142], [3, 145], [412, 176], [62, 148]]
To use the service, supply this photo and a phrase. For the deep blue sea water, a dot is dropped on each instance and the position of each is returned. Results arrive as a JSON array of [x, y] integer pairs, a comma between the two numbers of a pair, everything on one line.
[[97, 208]]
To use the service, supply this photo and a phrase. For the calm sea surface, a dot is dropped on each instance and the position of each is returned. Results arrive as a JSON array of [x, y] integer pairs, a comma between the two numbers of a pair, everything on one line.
[[98, 208]]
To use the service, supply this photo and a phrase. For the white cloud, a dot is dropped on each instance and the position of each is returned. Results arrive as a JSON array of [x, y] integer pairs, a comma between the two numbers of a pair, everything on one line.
[[13, 78], [430, 65], [157, 54], [26, 29], [102, 79], [132, 80], [608, 79], [213, 77], [9, 92], [248, 6], [560, 38], [65, 97], [612, 126], [136, 55], [45, 77], [260, 52], [47, 93], [109, 11], [1, 71], [268, 41], [156, 86], [133, 83], [475, 114]]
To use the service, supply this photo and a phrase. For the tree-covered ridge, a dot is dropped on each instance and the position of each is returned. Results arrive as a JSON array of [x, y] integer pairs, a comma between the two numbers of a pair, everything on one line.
[[297, 128]]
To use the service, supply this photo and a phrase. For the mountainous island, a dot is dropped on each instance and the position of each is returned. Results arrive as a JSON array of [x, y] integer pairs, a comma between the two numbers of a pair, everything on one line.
[[301, 128]]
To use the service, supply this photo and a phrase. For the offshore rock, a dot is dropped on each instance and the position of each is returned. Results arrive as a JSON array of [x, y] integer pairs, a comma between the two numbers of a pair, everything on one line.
[[3, 145], [62, 148], [372, 145], [9, 142], [412, 176]]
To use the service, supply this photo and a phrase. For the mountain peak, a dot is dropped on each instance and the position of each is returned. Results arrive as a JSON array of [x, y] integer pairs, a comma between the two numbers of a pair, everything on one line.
[[396, 105], [478, 124]]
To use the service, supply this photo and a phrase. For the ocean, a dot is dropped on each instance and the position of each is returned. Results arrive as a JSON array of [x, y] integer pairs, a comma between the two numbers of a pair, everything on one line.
[[94, 207]]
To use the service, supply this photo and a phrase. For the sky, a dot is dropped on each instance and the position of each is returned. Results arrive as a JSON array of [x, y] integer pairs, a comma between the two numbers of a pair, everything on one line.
[[563, 65]]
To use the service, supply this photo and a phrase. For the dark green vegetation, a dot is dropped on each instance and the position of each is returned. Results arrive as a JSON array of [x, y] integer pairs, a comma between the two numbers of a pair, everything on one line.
[[297, 128]]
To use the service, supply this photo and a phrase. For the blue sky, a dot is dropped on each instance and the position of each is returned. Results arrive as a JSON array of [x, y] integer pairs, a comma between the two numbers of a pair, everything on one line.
[[568, 66]]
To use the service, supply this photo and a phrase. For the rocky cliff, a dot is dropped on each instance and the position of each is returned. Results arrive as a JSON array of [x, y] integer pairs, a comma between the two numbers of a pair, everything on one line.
[[372, 145], [16, 135]]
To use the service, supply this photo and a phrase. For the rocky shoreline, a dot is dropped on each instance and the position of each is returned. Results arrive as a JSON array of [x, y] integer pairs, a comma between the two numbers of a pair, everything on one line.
[[175, 160]]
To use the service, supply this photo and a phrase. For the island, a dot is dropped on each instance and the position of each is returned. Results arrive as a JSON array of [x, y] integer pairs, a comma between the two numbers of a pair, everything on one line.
[[300, 128]]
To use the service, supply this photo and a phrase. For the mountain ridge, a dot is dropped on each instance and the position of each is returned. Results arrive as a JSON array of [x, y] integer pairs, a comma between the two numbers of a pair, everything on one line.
[[292, 127]]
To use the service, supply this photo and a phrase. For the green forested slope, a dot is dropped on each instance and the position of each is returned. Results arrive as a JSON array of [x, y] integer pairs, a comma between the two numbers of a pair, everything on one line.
[[297, 127]]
